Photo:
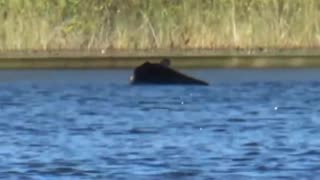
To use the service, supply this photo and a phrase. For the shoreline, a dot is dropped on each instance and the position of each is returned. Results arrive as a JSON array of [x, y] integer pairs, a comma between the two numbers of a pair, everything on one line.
[[117, 59]]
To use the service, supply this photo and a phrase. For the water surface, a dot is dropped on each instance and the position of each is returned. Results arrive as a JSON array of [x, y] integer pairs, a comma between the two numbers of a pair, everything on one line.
[[249, 124]]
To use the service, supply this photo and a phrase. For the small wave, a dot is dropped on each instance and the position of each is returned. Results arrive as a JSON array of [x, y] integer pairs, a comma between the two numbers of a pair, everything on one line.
[[12, 174], [62, 171], [243, 159], [251, 144], [236, 120], [252, 153], [315, 153], [179, 174], [86, 100], [142, 131]]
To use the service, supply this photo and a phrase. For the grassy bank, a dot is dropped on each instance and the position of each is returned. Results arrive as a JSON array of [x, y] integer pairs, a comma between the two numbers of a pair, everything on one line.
[[158, 24], [57, 59]]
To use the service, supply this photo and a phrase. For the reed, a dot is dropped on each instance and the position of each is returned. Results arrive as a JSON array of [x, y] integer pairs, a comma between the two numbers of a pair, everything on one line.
[[158, 24]]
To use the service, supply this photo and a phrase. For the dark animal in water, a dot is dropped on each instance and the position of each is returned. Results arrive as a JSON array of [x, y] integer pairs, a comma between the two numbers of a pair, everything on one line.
[[162, 74]]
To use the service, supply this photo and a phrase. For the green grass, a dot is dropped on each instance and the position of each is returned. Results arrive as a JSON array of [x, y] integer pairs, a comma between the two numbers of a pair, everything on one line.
[[158, 24]]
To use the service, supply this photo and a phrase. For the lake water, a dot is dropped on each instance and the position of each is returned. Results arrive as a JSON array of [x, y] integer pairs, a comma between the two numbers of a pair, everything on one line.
[[248, 124]]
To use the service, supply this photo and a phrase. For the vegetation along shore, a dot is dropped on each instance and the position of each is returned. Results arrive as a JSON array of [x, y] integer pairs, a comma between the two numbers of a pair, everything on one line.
[[49, 34], [158, 24]]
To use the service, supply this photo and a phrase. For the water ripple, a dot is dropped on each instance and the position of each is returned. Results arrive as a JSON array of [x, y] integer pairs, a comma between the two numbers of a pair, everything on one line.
[[98, 130]]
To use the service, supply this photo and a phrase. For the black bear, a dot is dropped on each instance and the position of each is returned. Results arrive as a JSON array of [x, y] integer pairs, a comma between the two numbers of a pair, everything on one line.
[[162, 74]]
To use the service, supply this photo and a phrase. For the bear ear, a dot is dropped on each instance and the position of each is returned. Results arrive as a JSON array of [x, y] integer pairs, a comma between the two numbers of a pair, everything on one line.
[[165, 62], [165, 59]]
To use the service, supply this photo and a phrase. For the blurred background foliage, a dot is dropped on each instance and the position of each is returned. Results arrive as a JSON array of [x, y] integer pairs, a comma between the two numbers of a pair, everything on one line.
[[158, 24]]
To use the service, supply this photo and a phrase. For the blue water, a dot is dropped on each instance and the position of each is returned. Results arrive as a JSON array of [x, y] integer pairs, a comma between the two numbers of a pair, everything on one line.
[[249, 124]]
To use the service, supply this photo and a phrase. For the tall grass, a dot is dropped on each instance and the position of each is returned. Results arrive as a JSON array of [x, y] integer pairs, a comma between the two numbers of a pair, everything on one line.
[[158, 24]]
